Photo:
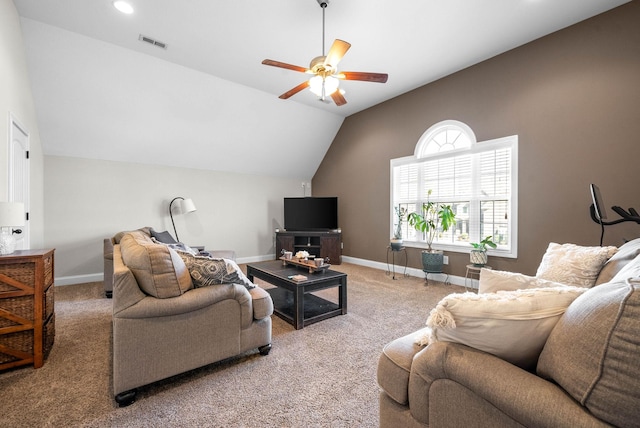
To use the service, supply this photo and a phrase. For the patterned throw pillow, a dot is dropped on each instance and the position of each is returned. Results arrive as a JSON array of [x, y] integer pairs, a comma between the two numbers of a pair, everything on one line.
[[207, 271], [572, 264]]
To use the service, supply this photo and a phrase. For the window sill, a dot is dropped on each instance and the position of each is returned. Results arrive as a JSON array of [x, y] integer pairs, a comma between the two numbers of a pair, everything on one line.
[[463, 249]]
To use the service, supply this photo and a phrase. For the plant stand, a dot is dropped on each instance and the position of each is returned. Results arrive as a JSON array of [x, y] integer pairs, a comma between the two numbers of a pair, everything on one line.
[[473, 272], [393, 251], [426, 276]]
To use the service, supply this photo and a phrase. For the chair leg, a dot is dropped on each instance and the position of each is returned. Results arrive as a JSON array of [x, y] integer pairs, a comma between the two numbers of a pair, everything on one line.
[[264, 350], [126, 398]]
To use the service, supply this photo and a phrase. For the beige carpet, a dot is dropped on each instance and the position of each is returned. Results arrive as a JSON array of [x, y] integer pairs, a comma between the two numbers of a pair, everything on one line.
[[321, 376]]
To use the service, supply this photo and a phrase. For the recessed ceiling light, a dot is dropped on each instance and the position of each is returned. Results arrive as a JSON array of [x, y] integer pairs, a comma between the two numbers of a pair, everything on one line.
[[123, 6]]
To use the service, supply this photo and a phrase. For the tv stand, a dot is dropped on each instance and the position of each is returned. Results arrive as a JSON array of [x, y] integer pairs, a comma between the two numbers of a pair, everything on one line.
[[320, 244]]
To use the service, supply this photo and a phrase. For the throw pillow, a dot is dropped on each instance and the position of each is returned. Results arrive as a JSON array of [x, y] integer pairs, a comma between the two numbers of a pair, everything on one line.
[[159, 270], [592, 352], [178, 246], [572, 264], [207, 271], [512, 325], [500, 280], [163, 237]]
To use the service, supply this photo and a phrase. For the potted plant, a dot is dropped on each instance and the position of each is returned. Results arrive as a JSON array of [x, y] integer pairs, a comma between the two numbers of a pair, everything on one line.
[[433, 218], [396, 241], [478, 255]]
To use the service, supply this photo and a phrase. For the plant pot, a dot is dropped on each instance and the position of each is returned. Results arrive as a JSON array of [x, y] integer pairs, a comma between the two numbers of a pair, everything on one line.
[[396, 244], [432, 261], [478, 258]]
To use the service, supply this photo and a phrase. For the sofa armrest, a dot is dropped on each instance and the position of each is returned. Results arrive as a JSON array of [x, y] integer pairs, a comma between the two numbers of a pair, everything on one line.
[[192, 300], [262, 303], [520, 395], [107, 251]]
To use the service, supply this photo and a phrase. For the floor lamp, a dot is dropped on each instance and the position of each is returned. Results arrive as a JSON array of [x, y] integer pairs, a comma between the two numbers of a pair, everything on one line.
[[186, 206]]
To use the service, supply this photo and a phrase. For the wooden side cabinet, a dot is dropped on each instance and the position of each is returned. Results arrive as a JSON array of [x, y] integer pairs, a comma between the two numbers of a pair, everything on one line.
[[27, 317], [320, 244]]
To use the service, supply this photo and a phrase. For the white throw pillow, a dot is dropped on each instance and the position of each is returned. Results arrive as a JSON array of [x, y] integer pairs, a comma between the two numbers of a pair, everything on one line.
[[572, 264], [512, 325], [500, 280]]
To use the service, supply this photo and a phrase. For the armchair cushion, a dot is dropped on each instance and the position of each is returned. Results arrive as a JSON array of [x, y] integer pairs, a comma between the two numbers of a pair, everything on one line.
[[159, 270], [592, 353]]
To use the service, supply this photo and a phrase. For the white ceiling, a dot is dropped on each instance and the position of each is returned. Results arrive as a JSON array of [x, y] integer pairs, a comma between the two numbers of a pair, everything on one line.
[[207, 101]]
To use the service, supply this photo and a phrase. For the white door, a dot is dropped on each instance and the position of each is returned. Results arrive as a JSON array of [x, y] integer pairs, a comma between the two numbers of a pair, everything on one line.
[[19, 176]]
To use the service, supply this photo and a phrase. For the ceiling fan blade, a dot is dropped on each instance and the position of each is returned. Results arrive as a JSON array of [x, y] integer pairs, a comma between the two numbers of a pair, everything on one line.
[[338, 98], [295, 90], [367, 77], [284, 65], [337, 51]]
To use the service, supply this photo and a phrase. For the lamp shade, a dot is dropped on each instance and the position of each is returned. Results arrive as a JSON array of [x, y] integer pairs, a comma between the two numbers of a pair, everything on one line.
[[187, 206], [12, 214], [330, 84]]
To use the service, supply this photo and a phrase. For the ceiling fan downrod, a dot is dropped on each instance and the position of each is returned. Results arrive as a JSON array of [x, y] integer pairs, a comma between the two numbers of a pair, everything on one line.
[[323, 4]]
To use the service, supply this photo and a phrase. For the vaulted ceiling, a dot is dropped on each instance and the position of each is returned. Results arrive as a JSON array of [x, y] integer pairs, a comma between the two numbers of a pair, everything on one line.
[[207, 102]]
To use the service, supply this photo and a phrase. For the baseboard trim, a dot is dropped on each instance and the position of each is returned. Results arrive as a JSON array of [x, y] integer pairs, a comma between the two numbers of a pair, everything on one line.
[[255, 259], [456, 280], [78, 279]]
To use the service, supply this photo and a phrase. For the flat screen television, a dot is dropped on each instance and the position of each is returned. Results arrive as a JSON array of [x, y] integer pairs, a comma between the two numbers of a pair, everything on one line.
[[311, 213]]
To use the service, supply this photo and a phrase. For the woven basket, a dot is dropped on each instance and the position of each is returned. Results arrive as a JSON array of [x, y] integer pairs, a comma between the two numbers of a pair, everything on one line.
[[18, 341]]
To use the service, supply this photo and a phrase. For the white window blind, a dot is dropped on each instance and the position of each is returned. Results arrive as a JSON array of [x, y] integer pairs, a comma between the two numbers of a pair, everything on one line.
[[477, 180]]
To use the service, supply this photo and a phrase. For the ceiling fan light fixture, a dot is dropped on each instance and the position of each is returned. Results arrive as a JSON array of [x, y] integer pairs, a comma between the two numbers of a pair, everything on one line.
[[330, 85]]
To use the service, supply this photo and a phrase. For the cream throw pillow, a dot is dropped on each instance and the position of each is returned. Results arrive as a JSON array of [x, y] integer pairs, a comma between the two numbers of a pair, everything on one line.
[[572, 264], [500, 280], [512, 325]]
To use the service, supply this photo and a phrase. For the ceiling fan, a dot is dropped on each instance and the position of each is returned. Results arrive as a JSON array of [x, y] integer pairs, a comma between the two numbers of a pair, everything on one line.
[[326, 78]]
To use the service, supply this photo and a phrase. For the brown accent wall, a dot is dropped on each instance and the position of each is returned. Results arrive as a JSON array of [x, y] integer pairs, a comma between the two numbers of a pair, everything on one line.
[[572, 97]]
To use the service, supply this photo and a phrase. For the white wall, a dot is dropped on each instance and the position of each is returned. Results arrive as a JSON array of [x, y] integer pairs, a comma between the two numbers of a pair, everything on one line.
[[89, 200], [16, 99]]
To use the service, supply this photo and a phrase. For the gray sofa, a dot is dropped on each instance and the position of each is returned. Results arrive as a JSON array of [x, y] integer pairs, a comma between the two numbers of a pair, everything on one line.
[[163, 326], [588, 374]]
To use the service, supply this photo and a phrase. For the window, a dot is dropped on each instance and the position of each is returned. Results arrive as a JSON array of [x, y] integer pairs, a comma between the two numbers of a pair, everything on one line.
[[478, 180]]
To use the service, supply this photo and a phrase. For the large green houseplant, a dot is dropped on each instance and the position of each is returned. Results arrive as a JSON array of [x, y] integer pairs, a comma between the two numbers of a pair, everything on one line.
[[432, 219]]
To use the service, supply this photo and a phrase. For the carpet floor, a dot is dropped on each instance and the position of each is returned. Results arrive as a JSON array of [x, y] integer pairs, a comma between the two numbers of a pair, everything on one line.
[[321, 376]]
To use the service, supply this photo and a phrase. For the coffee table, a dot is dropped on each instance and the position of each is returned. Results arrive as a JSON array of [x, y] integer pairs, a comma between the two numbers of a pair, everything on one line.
[[292, 300]]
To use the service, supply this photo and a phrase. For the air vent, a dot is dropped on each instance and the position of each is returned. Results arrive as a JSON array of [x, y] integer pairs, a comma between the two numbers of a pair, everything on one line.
[[152, 41]]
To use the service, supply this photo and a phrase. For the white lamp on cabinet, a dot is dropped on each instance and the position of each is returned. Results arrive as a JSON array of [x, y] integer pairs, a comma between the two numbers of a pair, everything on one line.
[[11, 215]]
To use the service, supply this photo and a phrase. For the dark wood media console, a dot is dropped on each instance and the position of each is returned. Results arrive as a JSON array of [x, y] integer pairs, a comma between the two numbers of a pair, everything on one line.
[[319, 244]]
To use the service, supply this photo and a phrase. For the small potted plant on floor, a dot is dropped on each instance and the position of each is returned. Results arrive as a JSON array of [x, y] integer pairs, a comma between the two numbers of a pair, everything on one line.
[[396, 241], [478, 255], [433, 218]]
